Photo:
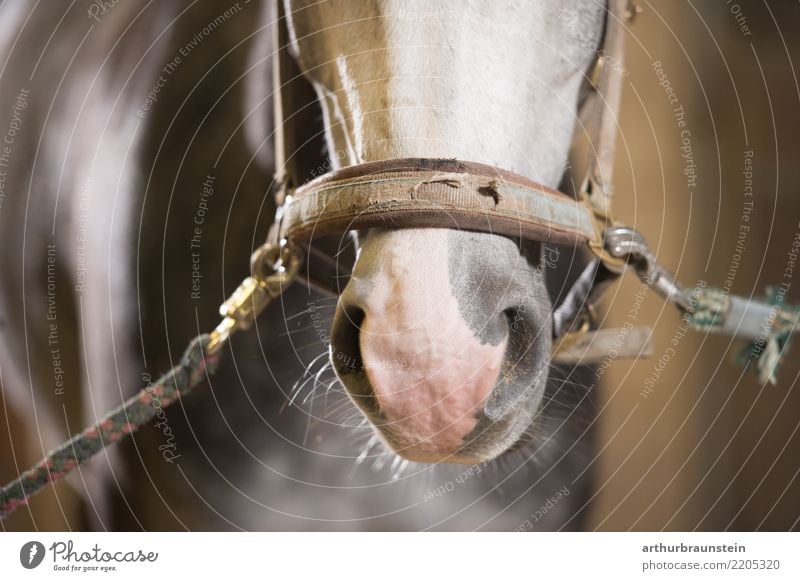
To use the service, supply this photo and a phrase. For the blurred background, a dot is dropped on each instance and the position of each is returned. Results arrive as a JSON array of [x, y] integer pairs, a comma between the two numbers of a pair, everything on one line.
[[101, 177], [689, 441]]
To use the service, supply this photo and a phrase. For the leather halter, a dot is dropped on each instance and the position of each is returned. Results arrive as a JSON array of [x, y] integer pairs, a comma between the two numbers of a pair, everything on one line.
[[441, 193]]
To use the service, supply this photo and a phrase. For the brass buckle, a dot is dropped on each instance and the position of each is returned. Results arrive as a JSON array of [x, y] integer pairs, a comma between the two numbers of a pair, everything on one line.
[[273, 267]]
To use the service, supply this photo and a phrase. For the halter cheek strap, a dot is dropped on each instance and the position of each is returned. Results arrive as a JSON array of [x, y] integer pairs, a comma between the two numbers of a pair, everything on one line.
[[604, 105]]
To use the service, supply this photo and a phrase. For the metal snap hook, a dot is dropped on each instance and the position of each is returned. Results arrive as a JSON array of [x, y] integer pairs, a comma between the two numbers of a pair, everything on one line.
[[273, 267], [625, 243]]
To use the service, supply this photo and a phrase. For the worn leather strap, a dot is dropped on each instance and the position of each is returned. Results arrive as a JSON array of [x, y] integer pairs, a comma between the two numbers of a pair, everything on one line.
[[603, 107], [440, 193]]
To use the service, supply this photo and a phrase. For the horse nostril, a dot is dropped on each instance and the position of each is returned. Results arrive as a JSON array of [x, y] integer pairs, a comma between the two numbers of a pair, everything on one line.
[[345, 340], [345, 354], [513, 319]]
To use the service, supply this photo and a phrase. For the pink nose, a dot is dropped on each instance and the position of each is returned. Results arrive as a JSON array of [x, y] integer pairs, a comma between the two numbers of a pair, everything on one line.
[[418, 369], [429, 379]]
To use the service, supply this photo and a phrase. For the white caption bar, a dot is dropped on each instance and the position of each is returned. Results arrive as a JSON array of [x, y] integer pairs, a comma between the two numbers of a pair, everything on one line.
[[401, 556]]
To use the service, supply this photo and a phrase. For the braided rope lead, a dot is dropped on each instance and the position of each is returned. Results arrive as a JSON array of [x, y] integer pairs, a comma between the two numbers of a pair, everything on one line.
[[273, 268], [195, 364]]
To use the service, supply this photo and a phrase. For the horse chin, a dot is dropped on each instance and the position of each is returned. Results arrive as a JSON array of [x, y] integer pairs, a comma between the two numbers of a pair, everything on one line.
[[498, 441], [498, 437]]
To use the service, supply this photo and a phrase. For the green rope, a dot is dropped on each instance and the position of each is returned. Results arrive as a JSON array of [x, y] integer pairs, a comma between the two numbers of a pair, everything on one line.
[[768, 351], [116, 425], [710, 308]]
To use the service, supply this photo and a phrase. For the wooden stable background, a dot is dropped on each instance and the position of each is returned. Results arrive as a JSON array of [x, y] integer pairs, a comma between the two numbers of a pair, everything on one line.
[[702, 447]]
